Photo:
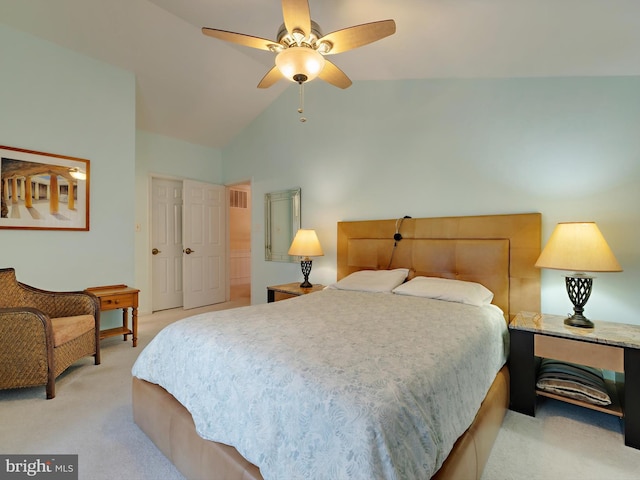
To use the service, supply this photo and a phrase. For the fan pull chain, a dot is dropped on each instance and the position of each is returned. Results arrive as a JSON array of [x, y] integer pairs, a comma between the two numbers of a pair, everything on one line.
[[301, 102]]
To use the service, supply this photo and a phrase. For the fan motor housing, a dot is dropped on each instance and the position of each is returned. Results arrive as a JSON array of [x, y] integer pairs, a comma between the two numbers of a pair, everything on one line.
[[286, 39]]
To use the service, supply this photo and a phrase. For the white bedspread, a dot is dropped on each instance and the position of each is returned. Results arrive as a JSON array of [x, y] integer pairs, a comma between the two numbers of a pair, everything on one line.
[[334, 384]]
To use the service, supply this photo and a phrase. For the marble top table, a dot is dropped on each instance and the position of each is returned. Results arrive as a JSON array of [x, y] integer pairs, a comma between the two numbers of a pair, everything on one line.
[[608, 333]]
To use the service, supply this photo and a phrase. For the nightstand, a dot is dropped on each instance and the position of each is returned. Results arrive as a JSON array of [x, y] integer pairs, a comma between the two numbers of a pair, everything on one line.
[[113, 297], [609, 346], [289, 290]]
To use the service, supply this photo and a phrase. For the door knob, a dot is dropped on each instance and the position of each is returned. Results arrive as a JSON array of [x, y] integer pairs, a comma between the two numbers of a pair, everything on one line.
[[188, 251], [155, 251]]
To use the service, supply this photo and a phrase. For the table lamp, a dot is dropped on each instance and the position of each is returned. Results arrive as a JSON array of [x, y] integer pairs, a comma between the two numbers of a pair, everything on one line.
[[306, 244], [580, 247]]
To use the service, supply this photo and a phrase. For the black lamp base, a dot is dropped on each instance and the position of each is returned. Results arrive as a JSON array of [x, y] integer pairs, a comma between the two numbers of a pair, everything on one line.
[[578, 321], [306, 270], [579, 288]]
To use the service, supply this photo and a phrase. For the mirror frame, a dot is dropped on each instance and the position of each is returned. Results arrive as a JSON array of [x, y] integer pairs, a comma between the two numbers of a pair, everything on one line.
[[280, 229]]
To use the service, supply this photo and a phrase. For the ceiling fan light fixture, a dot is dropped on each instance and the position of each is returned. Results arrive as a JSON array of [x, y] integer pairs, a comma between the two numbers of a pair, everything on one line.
[[324, 47], [276, 47], [300, 64], [300, 45], [298, 36]]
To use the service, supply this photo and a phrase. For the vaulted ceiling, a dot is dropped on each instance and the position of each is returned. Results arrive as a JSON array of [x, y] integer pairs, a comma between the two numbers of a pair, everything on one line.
[[203, 90]]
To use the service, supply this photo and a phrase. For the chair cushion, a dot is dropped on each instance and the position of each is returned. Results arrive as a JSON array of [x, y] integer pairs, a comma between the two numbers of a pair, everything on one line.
[[68, 328]]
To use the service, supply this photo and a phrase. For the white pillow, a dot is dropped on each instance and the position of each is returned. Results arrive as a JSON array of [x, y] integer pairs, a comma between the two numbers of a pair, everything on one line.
[[469, 293], [372, 280]]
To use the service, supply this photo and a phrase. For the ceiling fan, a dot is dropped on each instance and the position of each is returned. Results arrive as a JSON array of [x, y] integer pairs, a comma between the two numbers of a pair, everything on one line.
[[301, 46]]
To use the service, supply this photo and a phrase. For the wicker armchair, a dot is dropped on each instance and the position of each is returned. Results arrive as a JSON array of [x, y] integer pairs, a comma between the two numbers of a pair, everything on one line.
[[42, 333]]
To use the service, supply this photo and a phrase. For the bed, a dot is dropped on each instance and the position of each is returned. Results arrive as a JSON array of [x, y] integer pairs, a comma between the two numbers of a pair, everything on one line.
[[497, 252]]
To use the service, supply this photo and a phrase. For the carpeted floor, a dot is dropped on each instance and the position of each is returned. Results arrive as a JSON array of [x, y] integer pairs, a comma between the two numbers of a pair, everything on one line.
[[562, 442], [91, 416]]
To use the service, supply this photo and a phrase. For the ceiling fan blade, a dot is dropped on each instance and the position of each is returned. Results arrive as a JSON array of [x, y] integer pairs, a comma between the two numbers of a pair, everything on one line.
[[297, 15], [239, 38], [270, 78], [333, 75], [354, 37]]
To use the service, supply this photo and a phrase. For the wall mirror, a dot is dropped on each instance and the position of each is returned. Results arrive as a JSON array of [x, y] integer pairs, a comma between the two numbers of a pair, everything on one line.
[[282, 221]]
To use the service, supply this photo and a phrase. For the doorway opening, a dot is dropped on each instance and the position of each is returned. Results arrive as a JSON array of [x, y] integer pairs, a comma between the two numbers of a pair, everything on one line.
[[239, 215]]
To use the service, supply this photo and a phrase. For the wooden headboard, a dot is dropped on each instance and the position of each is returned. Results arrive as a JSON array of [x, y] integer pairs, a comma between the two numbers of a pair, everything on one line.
[[498, 251]]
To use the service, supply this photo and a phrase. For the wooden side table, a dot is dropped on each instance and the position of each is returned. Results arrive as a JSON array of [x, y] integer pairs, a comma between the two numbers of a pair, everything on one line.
[[289, 290], [609, 346], [113, 297]]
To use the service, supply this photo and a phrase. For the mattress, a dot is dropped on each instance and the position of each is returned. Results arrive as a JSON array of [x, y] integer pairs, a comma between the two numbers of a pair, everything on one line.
[[335, 384]]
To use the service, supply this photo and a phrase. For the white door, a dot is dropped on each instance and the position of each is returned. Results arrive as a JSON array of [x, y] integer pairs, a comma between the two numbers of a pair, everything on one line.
[[166, 243], [204, 244]]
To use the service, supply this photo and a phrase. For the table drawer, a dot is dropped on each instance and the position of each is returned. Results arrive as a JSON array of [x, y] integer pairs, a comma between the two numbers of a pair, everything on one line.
[[595, 355], [111, 302], [277, 296]]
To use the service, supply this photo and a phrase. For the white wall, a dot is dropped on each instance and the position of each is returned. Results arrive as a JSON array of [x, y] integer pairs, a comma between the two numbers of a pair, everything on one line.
[[56, 101], [566, 147], [160, 156]]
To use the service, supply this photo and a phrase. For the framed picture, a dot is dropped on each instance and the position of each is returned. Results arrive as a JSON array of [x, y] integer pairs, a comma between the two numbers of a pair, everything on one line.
[[43, 191]]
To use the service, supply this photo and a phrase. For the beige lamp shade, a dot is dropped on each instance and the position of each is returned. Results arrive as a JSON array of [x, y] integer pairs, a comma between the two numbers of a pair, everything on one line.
[[579, 247], [306, 244]]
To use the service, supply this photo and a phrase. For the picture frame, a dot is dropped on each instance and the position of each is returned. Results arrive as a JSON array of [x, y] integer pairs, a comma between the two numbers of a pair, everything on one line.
[[43, 191]]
